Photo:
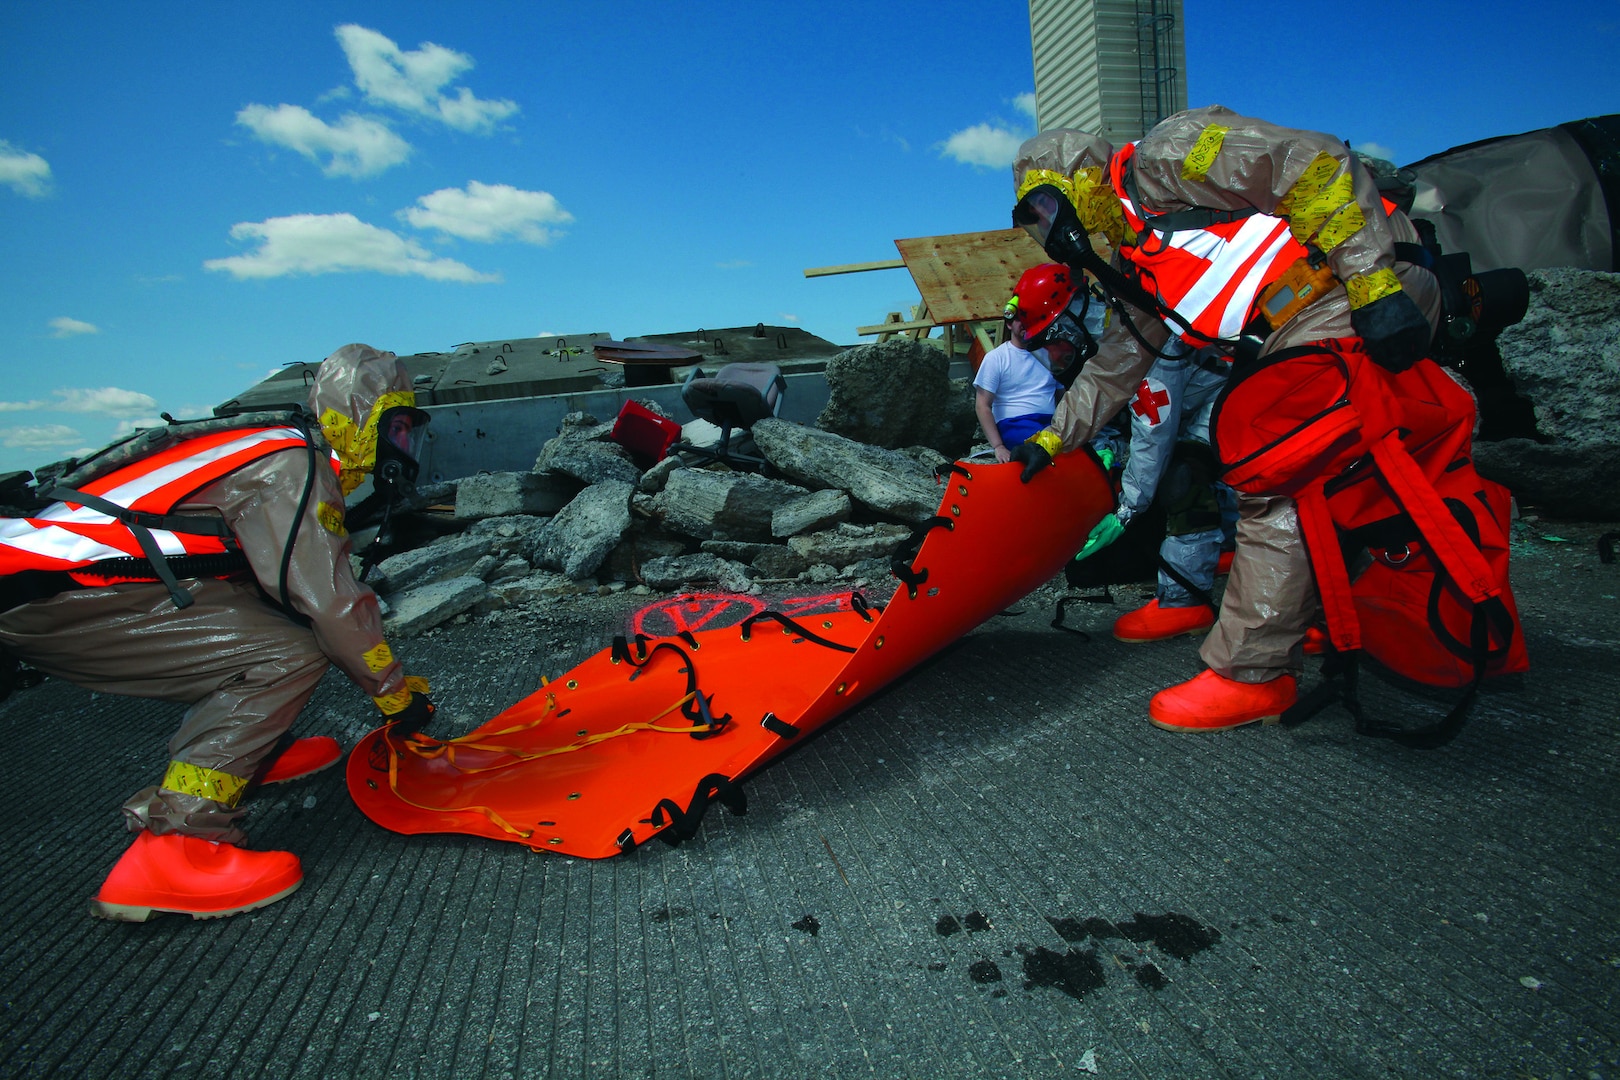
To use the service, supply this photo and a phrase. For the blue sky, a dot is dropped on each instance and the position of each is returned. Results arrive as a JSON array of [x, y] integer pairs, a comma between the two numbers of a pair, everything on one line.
[[191, 196]]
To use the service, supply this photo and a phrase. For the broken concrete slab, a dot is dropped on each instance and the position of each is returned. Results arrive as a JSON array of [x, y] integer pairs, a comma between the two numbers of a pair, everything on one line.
[[1564, 356], [677, 572], [891, 484], [501, 494], [845, 544], [709, 504], [582, 534], [420, 609], [896, 393], [447, 557], [813, 512]]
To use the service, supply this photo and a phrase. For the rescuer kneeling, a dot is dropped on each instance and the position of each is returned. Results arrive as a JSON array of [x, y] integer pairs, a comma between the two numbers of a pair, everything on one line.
[[210, 566]]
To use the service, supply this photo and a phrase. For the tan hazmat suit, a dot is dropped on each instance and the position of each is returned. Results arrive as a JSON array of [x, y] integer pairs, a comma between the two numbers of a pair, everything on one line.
[[245, 667], [1270, 596]]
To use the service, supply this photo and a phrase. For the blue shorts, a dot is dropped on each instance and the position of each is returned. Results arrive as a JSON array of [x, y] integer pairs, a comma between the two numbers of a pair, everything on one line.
[[1017, 429]]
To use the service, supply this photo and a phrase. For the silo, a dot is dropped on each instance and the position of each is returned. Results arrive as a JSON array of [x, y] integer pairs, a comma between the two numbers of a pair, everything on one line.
[[1113, 67]]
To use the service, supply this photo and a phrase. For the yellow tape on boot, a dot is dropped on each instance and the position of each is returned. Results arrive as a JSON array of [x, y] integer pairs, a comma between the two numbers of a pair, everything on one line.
[[204, 783]]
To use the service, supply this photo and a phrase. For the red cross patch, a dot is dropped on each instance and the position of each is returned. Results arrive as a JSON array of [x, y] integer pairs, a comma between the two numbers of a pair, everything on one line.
[[1151, 396]]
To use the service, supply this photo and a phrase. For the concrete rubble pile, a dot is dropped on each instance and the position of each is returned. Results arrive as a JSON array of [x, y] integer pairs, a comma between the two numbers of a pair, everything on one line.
[[828, 513]]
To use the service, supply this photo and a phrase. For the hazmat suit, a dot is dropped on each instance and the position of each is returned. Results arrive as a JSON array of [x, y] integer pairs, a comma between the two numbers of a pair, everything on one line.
[[243, 649], [1204, 214]]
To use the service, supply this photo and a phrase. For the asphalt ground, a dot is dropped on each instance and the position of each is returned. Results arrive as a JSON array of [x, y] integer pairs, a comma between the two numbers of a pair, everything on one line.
[[995, 868]]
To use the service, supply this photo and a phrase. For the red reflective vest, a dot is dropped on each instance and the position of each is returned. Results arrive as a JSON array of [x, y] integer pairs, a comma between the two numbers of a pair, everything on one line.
[[1209, 276], [66, 536]]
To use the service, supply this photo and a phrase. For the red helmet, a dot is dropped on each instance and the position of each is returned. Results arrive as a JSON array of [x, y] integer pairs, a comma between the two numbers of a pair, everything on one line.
[[1043, 294]]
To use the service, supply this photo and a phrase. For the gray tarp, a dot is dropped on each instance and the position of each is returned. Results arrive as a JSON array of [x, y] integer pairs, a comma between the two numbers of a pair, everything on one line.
[[1532, 201]]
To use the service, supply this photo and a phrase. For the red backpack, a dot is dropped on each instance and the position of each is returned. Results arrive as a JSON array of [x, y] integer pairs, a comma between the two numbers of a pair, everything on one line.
[[1382, 462]]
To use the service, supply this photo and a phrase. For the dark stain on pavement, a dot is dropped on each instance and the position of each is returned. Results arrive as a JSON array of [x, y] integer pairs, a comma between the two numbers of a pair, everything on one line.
[[1179, 935], [1148, 975], [1075, 973], [808, 925], [973, 922], [984, 971]]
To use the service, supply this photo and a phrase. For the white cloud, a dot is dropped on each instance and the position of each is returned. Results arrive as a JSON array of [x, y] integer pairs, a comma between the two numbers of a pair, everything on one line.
[[62, 326], [334, 244], [414, 82], [357, 146], [41, 437], [489, 212], [1025, 103], [1377, 150], [983, 145], [106, 399], [129, 427], [25, 173]]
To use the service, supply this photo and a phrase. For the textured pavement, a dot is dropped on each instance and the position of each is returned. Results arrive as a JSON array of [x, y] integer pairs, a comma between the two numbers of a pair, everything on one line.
[[995, 868]]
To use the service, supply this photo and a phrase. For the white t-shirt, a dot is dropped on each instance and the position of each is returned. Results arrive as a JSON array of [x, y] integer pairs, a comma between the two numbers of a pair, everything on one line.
[[1021, 382]]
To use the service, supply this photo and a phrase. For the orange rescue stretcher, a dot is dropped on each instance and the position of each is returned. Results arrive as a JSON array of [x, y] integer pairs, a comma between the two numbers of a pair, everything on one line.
[[638, 740]]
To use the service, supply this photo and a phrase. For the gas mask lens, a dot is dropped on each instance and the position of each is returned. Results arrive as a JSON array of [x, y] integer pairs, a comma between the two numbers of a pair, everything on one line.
[[401, 434], [1036, 212]]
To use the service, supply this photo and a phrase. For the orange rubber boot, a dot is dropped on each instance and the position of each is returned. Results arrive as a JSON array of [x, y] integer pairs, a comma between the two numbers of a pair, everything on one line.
[[1315, 641], [187, 875], [1209, 702], [1154, 623], [305, 757]]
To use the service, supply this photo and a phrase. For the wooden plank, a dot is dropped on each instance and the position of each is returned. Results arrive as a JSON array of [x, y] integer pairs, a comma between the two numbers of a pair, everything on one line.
[[894, 327], [967, 277], [854, 268]]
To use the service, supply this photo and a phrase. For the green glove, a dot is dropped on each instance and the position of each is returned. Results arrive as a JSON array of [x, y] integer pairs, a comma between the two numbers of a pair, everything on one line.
[[1105, 532]]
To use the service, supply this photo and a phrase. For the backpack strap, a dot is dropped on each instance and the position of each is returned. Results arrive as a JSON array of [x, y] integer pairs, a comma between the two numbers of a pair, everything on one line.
[[1327, 560], [141, 524]]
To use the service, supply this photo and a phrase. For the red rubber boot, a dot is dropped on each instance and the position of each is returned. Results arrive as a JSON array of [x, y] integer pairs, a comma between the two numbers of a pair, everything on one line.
[[1209, 702], [1154, 623], [190, 876], [305, 757], [1315, 641]]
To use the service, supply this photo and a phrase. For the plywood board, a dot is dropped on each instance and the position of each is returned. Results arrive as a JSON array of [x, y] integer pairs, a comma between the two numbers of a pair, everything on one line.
[[966, 277]]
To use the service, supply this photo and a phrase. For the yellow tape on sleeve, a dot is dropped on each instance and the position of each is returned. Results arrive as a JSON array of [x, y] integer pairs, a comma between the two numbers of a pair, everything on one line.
[[204, 783], [389, 704], [1048, 440], [331, 518], [1363, 289], [1341, 226], [378, 657], [1202, 155]]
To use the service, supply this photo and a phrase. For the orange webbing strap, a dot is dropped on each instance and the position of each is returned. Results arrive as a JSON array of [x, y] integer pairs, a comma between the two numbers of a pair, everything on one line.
[[516, 756], [393, 786], [1327, 559], [1451, 545]]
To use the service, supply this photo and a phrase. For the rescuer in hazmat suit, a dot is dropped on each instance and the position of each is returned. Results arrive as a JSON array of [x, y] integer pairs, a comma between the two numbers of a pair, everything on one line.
[[228, 588], [1234, 232]]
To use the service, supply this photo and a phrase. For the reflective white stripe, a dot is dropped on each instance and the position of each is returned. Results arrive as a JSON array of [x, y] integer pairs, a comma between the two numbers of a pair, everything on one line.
[[131, 491], [55, 543], [60, 541], [1259, 233]]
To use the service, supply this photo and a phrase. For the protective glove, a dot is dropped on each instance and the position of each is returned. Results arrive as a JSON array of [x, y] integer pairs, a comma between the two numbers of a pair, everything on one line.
[[1033, 457], [413, 717], [1394, 330], [1105, 532]]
